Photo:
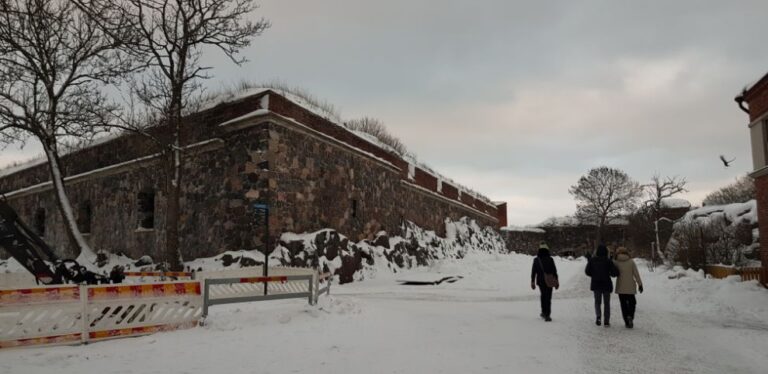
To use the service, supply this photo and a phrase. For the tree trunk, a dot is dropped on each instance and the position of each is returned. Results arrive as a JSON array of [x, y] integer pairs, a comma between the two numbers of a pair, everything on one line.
[[173, 256], [65, 207]]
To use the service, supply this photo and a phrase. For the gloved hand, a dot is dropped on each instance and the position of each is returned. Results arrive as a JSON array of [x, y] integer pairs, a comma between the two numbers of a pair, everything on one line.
[[641, 288], [533, 285], [557, 286]]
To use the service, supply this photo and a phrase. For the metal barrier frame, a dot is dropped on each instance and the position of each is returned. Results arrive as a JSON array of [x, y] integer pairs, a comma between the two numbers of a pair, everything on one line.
[[327, 277], [208, 302]]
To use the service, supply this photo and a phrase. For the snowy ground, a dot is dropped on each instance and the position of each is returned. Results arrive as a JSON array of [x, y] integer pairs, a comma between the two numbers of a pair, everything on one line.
[[486, 322]]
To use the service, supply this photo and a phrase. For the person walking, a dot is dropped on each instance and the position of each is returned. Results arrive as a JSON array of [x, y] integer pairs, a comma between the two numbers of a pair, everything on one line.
[[600, 268], [627, 285], [544, 274]]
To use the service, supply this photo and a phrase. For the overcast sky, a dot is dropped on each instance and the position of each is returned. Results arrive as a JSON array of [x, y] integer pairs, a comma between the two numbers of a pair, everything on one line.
[[518, 99]]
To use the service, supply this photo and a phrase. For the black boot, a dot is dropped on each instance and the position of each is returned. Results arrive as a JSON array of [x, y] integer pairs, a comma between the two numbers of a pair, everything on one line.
[[598, 321], [607, 323], [630, 322]]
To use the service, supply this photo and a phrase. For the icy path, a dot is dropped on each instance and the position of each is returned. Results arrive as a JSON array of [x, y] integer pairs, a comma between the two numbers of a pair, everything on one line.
[[487, 322]]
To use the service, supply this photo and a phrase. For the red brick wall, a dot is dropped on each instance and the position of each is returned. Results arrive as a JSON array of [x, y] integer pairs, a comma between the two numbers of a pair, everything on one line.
[[426, 180], [757, 99], [761, 185], [501, 214]]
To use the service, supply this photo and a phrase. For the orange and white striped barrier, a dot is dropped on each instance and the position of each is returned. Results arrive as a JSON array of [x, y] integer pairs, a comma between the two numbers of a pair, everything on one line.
[[129, 310], [174, 274], [73, 314]]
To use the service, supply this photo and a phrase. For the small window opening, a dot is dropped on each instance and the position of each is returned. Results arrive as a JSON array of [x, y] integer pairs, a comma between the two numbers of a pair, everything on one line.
[[84, 217], [354, 208], [40, 221], [264, 165], [146, 209]]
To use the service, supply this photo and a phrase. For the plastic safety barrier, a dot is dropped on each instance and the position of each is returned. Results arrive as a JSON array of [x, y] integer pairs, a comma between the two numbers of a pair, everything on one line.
[[72, 314]]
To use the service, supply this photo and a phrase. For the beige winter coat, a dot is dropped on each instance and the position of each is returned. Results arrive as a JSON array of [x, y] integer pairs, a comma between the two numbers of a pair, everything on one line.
[[629, 277]]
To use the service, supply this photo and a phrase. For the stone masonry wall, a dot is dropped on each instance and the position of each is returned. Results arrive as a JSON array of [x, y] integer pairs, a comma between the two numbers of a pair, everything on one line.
[[310, 181]]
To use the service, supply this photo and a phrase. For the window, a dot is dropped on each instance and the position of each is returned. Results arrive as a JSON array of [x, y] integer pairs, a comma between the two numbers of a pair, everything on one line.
[[84, 217], [146, 202], [264, 165], [354, 208], [40, 221]]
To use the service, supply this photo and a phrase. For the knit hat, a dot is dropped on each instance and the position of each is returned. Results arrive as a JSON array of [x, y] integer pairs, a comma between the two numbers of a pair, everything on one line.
[[543, 245], [622, 251]]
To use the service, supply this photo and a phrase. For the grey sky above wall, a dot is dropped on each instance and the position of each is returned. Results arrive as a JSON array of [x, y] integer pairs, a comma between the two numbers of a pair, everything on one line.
[[517, 99]]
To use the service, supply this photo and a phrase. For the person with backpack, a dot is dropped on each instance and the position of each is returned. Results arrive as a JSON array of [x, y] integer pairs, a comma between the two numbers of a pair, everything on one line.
[[601, 268], [544, 274], [627, 285]]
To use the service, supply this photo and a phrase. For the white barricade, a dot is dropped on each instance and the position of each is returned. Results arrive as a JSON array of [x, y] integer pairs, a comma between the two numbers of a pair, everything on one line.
[[55, 315], [41, 315], [116, 311]]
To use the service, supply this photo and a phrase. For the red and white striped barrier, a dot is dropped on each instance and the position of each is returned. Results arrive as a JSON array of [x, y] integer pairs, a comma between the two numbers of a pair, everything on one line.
[[72, 314], [174, 274], [41, 315]]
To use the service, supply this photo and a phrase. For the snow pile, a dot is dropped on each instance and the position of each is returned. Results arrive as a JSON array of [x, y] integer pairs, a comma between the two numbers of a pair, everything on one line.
[[689, 291], [331, 251]]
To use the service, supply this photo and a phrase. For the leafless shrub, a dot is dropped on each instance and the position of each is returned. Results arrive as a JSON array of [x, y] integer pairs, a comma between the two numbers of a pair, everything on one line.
[[376, 128], [740, 191]]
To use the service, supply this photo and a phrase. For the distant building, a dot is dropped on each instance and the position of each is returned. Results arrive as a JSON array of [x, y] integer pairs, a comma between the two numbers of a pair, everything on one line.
[[754, 101]]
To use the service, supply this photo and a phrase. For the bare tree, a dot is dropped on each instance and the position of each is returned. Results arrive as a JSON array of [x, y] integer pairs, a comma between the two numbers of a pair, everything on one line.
[[740, 191], [604, 194], [169, 35], [656, 191], [53, 64]]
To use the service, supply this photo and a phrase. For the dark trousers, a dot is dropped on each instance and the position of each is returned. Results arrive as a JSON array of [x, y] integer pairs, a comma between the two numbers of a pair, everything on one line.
[[546, 300], [605, 299], [628, 303]]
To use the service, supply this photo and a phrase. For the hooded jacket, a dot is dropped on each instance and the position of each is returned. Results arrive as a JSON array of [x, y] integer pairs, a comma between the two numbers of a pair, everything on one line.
[[601, 269], [629, 277], [541, 264]]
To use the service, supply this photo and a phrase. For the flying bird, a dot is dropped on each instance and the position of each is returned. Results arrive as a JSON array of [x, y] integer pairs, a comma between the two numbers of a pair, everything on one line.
[[727, 163]]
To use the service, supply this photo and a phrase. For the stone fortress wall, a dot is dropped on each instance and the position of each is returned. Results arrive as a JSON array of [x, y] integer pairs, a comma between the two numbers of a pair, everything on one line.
[[264, 147]]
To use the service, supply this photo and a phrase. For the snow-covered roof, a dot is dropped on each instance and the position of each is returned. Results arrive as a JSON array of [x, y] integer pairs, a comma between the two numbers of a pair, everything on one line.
[[735, 213], [675, 203]]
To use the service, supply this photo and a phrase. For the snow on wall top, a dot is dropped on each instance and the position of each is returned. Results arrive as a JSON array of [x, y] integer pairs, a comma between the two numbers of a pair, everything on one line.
[[571, 221], [675, 203], [523, 229]]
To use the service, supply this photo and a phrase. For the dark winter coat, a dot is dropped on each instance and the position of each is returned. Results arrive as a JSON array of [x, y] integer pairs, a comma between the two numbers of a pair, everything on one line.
[[601, 269], [547, 265]]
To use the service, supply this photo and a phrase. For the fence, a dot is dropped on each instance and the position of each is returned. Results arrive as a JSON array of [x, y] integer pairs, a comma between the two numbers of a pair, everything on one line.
[[239, 290], [71, 314], [746, 273]]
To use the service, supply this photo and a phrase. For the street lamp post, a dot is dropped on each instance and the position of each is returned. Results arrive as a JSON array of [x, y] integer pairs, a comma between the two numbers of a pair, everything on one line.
[[262, 210]]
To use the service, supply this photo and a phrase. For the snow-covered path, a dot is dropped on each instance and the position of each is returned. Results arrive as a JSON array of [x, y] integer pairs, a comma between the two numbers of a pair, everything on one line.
[[487, 322]]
